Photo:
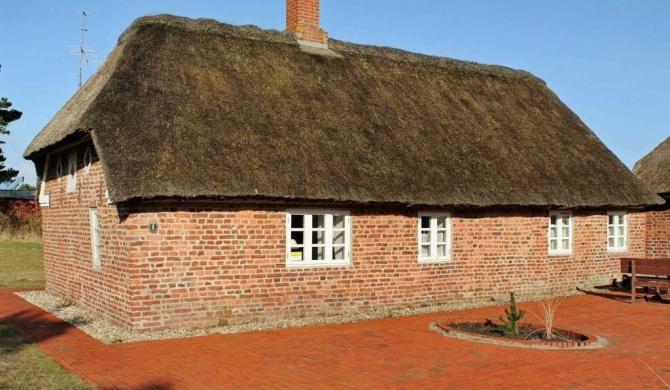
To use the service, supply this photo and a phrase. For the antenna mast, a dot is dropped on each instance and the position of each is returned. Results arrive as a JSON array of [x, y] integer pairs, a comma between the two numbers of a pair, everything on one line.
[[85, 53], [81, 45]]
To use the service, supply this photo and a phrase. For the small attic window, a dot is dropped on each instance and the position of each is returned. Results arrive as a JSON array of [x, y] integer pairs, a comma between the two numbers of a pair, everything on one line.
[[59, 169], [71, 172], [88, 159]]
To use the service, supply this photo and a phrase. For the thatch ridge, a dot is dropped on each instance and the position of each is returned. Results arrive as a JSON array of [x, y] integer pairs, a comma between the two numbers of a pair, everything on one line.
[[654, 168], [211, 26], [192, 108]]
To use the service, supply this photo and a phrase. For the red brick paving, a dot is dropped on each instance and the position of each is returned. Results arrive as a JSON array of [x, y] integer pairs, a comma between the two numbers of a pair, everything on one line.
[[382, 354]]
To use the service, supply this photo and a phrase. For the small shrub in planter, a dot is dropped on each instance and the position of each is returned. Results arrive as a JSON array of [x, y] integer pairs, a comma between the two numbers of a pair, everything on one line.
[[510, 323]]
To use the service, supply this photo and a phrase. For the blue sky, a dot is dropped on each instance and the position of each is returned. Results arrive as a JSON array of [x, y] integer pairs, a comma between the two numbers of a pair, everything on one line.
[[608, 60]]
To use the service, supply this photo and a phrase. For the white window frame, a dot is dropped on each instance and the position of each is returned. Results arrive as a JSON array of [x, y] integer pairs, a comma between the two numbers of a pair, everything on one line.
[[44, 197], [96, 242], [615, 228], [71, 172], [560, 236], [292, 259], [433, 242]]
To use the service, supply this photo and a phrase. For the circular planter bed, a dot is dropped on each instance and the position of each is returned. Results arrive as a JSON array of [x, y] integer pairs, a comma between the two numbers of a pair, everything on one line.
[[532, 336]]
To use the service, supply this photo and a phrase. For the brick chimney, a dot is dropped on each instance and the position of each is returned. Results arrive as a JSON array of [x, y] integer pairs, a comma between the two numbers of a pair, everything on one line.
[[302, 17]]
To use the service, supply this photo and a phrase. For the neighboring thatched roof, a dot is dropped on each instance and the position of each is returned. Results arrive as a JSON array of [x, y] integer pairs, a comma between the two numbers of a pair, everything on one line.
[[654, 168], [192, 108], [17, 194]]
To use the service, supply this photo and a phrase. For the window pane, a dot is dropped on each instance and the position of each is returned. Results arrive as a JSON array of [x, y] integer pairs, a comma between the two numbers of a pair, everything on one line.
[[610, 242], [611, 219], [425, 251], [296, 254], [318, 237], [621, 231], [338, 253], [610, 231], [441, 250], [621, 242], [553, 244], [554, 220], [425, 222], [425, 236], [442, 236], [553, 232], [565, 232], [318, 221], [566, 244], [441, 222], [338, 221], [297, 221], [297, 238], [566, 221], [338, 237], [318, 253]]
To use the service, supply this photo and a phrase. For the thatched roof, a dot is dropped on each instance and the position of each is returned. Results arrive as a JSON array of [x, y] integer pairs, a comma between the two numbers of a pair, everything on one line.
[[654, 168], [192, 108], [17, 194]]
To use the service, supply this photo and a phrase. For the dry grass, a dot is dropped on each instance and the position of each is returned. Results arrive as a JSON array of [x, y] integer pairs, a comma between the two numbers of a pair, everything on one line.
[[548, 308], [21, 223], [24, 367], [21, 264]]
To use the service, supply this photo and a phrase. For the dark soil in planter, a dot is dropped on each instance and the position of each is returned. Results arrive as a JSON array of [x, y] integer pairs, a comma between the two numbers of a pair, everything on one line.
[[488, 328]]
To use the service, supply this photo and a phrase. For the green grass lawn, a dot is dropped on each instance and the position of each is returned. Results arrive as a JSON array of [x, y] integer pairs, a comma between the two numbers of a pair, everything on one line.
[[22, 364], [21, 264]]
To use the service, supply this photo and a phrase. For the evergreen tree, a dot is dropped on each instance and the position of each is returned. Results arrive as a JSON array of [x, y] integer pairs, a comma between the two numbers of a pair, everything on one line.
[[7, 116], [510, 324]]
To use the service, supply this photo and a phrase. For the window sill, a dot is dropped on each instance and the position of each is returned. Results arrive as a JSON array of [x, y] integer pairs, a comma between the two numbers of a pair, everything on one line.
[[617, 250], [431, 260], [561, 253], [44, 200], [309, 264]]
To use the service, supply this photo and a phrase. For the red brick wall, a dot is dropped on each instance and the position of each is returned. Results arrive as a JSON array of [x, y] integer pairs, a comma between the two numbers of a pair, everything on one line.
[[658, 233], [66, 233], [216, 263], [211, 264]]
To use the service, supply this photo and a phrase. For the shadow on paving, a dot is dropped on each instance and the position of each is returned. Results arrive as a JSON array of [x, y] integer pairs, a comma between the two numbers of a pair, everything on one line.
[[614, 294], [34, 327]]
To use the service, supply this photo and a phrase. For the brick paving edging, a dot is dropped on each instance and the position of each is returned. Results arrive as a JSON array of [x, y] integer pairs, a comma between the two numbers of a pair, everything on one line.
[[588, 339]]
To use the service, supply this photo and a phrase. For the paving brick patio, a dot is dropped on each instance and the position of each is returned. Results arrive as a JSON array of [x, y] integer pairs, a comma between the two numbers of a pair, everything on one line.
[[398, 353]]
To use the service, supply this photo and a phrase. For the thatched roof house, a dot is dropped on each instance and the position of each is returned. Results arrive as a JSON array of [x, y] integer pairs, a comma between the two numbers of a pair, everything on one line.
[[261, 174], [654, 168], [196, 108]]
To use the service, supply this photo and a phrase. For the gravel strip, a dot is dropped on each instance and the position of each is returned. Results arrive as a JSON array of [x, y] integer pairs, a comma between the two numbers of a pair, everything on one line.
[[103, 330]]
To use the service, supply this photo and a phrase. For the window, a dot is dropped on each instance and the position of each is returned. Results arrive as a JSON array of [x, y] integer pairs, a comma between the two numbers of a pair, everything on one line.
[[72, 172], [44, 197], [88, 159], [59, 169], [560, 232], [617, 231], [317, 237], [95, 237], [434, 236]]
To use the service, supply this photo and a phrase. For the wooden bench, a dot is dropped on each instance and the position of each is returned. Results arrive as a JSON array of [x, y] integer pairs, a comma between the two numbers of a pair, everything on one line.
[[647, 273]]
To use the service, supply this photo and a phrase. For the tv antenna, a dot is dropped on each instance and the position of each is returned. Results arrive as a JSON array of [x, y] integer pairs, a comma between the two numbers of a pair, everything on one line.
[[85, 52]]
